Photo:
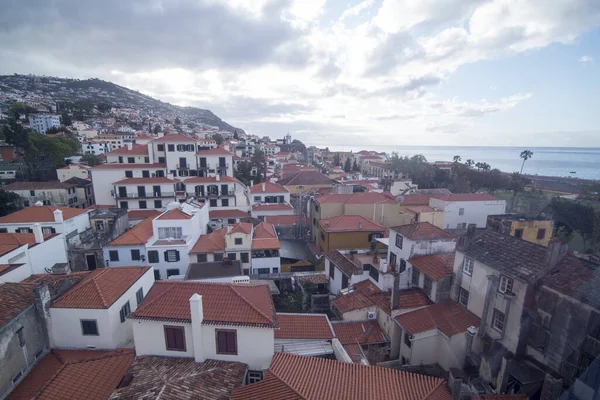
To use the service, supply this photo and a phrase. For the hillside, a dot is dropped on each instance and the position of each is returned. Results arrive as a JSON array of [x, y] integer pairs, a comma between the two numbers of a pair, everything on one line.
[[44, 90]]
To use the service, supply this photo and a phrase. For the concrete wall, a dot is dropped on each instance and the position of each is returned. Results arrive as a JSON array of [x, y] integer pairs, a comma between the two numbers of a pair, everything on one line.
[[344, 240], [46, 254], [56, 197], [265, 262], [17, 274], [125, 256], [387, 215], [475, 212], [149, 339]]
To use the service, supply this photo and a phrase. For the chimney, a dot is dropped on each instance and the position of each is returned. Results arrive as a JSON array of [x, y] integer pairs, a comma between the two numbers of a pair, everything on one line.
[[251, 182], [218, 177], [396, 292], [197, 312], [263, 187], [360, 225], [555, 253], [470, 236], [228, 228], [37, 233], [129, 146], [58, 215]]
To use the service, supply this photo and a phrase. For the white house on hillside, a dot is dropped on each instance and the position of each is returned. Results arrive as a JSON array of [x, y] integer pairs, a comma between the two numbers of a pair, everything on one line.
[[93, 313], [463, 209], [221, 192], [229, 322]]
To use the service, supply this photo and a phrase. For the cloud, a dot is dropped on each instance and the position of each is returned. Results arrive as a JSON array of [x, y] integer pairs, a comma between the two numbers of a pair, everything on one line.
[[586, 59], [356, 10]]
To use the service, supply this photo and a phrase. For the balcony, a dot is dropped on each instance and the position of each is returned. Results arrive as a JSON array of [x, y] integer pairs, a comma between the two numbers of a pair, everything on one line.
[[183, 166], [217, 194], [204, 167], [223, 166], [144, 196]]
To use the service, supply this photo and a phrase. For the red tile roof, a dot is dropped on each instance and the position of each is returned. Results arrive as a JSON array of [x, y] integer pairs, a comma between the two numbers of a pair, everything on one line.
[[422, 231], [295, 377], [272, 207], [136, 149], [416, 199], [303, 326], [129, 166], [308, 178], [175, 138], [285, 220], [210, 179], [223, 303], [265, 237], [40, 214], [12, 241], [181, 378], [75, 374], [315, 279], [142, 214], [214, 241], [142, 181], [333, 198], [101, 288], [217, 151], [350, 223], [225, 214], [435, 266], [138, 235], [38, 185], [174, 214], [242, 227], [361, 332], [269, 187], [448, 317], [466, 197]]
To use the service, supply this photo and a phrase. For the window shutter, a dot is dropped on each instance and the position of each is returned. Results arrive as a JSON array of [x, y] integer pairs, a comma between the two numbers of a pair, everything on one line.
[[52, 230], [222, 342], [176, 255], [122, 315], [166, 254]]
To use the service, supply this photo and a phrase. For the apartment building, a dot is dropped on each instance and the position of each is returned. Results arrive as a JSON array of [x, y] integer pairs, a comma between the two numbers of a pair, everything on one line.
[[53, 193], [42, 122], [464, 209], [220, 192]]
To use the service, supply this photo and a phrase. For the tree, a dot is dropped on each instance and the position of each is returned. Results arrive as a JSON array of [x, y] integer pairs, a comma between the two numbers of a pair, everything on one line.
[[578, 217], [259, 163], [235, 135], [348, 165], [104, 107], [457, 159], [470, 163], [157, 129], [66, 119], [177, 121], [9, 202], [355, 167], [243, 172], [525, 155], [336, 159], [91, 159], [218, 138], [62, 128], [17, 109]]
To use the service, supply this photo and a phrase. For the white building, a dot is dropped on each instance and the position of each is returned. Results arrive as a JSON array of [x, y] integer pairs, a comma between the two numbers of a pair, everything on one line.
[[49, 193], [143, 193], [220, 192], [214, 162], [229, 322], [41, 122], [93, 313], [73, 171], [461, 210], [163, 242], [269, 192], [95, 148], [421, 238]]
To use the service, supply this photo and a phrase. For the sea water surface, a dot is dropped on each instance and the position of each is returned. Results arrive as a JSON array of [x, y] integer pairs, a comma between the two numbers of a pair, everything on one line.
[[575, 162]]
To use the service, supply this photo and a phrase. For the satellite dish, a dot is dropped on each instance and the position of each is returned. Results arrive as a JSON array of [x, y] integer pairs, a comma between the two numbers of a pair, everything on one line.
[[400, 199]]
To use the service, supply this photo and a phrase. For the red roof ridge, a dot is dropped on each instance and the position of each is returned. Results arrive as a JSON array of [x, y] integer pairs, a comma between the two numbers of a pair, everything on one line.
[[252, 304], [93, 278], [432, 391], [160, 295], [269, 371]]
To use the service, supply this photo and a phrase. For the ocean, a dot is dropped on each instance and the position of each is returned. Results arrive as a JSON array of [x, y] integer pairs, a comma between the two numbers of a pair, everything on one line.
[[574, 162]]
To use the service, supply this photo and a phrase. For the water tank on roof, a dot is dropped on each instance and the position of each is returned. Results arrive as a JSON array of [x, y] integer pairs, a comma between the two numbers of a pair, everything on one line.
[[173, 205]]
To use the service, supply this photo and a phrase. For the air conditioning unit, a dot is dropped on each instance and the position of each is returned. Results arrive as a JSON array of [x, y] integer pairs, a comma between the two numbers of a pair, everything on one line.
[[371, 315]]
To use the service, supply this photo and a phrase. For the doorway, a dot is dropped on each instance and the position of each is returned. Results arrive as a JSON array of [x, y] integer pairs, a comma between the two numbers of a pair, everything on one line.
[[91, 261]]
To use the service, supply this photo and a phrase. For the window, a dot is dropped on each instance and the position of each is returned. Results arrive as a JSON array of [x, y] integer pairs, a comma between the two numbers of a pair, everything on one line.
[[461, 225], [593, 329], [143, 204], [506, 284], [48, 229], [160, 147], [202, 258], [32, 193], [468, 266], [541, 234], [407, 341], [331, 271], [226, 341], [322, 236], [254, 376], [427, 285], [402, 266], [125, 311], [156, 275], [498, 320], [173, 232], [399, 240], [231, 221], [367, 267], [157, 203], [135, 255], [225, 202], [131, 160], [373, 236], [16, 378], [374, 273], [161, 160], [124, 205], [145, 174], [128, 174], [261, 271], [89, 327], [218, 256], [519, 233], [113, 255], [231, 256], [171, 256], [153, 256], [172, 271], [171, 147], [257, 199], [461, 211], [245, 257], [463, 296], [238, 241], [415, 277], [213, 202], [344, 282], [3, 230], [174, 338], [275, 270], [392, 258], [139, 296]]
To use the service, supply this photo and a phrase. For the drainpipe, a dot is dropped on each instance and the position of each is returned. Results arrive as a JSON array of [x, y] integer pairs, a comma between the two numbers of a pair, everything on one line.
[[492, 286]]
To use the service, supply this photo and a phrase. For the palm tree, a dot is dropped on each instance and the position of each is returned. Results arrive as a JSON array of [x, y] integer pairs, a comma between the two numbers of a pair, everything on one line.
[[479, 165], [470, 162], [457, 159], [485, 166], [525, 155]]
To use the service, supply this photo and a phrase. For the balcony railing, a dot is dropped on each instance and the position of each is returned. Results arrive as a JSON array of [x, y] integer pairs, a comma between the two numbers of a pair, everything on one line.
[[223, 166], [216, 194], [206, 166], [145, 195], [183, 166]]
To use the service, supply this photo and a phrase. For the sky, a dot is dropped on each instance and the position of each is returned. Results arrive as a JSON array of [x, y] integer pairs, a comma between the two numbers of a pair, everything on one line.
[[376, 72]]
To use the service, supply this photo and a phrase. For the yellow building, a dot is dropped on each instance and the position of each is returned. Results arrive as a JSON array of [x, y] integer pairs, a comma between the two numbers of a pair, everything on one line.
[[308, 180], [347, 232], [425, 214], [533, 230]]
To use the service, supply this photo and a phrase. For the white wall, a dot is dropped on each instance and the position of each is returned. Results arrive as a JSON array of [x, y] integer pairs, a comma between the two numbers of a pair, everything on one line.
[[475, 212], [102, 179], [162, 266], [150, 339], [286, 196], [17, 274], [125, 256], [265, 262], [45, 255]]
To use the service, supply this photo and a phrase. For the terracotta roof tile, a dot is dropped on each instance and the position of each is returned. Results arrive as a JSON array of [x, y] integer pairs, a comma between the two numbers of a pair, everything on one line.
[[224, 214], [174, 214], [420, 209], [367, 294], [296, 377], [361, 332], [243, 227], [101, 288], [315, 279], [142, 214], [210, 179], [272, 207], [36, 185], [285, 220], [577, 278], [175, 138], [350, 223], [136, 149], [370, 198], [40, 214], [143, 181], [138, 235], [265, 237], [351, 301], [422, 231], [233, 304], [448, 317], [181, 378], [12, 241], [269, 187], [59, 376], [466, 197], [212, 242], [308, 178], [416, 199], [303, 326], [435, 266]]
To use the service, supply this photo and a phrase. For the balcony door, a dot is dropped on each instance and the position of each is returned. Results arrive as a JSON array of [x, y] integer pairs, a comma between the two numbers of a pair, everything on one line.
[[141, 191], [156, 190]]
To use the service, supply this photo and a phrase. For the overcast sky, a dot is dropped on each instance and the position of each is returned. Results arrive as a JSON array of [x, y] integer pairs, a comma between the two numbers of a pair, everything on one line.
[[401, 72]]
